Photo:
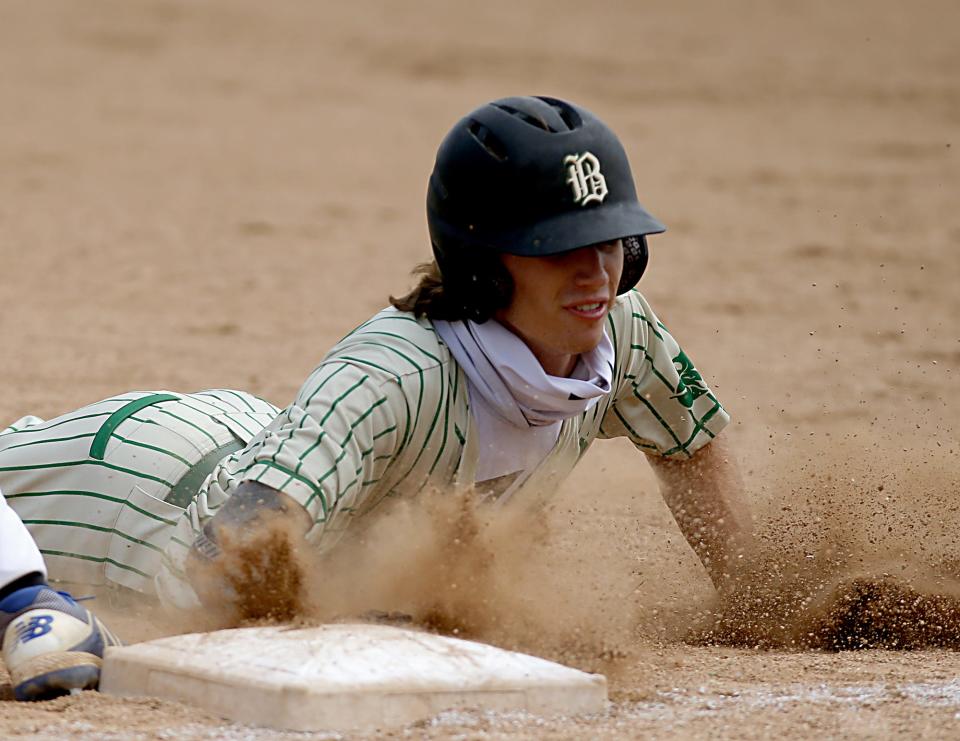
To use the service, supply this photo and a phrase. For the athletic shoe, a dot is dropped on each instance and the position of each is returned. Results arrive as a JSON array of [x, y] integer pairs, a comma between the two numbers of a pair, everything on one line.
[[51, 644]]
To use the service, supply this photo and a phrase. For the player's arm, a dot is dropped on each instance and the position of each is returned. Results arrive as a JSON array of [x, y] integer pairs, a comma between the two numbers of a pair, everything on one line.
[[665, 407], [317, 463], [705, 496]]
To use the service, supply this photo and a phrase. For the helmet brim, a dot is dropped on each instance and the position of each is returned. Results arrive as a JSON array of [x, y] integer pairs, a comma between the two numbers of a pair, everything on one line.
[[567, 231]]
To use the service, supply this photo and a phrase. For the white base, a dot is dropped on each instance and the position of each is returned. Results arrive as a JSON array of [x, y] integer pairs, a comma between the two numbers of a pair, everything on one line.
[[344, 677]]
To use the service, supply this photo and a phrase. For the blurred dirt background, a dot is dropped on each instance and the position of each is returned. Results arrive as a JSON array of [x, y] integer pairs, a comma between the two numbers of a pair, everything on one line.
[[209, 194]]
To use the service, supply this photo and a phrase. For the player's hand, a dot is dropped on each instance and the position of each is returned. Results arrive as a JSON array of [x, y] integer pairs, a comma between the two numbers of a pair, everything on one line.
[[246, 561]]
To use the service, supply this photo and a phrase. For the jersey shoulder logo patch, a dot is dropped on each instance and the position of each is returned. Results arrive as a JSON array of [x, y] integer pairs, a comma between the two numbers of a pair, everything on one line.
[[690, 387], [584, 176]]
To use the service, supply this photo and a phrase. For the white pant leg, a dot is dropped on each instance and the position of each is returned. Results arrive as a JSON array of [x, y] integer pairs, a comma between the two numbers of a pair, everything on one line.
[[19, 555]]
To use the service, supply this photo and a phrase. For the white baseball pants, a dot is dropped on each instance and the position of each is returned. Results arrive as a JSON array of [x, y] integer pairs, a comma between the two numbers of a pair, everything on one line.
[[19, 555]]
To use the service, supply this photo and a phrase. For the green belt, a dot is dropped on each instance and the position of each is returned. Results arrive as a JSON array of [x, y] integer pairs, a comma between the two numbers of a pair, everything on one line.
[[182, 493], [187, 487]]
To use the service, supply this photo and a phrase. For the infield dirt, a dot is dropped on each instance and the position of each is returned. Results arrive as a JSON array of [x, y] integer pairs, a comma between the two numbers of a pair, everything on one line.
[[200, 195]]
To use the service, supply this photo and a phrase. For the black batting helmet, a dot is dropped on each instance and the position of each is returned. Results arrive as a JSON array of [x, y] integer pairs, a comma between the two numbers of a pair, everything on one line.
[[533, 176]]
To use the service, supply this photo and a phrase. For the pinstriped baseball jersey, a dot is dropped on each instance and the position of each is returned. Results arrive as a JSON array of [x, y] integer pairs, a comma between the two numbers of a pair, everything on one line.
[[387, 412], [97, 487]]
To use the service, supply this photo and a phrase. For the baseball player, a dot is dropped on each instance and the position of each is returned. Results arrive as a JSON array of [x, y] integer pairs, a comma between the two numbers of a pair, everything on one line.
[[523, 342]]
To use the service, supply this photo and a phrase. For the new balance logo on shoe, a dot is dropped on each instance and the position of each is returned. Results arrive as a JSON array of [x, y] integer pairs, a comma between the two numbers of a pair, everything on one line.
[[36, 626]]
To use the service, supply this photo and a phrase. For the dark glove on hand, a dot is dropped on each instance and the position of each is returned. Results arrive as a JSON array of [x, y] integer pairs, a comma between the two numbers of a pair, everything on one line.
[[245, 558]]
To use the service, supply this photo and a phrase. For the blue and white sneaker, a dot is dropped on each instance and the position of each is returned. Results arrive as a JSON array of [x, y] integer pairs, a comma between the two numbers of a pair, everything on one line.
[[51, 644]]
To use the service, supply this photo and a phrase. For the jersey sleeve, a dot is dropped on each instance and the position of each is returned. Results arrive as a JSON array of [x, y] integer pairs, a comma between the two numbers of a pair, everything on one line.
[[661, 403], [334, 442], [337, 449]]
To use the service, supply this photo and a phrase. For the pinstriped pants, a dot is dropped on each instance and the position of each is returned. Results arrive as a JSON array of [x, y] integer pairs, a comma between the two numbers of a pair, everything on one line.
[[95, 486]]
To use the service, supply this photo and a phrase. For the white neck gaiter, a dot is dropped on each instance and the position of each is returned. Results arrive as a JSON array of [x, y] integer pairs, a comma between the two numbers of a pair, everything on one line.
[[510, 379]]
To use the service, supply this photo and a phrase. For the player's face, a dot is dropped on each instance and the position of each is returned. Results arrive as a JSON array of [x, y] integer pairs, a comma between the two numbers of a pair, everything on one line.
[[560, 302]]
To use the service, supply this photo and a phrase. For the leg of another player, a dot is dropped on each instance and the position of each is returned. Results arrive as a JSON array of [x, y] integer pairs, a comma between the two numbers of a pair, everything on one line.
[[20, 559], [51, 645]]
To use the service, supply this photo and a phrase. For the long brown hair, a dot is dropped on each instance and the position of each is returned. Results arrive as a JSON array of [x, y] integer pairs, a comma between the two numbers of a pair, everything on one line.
[[475, 293]]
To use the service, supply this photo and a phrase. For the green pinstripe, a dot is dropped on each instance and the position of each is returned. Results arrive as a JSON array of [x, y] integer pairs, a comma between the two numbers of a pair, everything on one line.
[[94, 495], [304, 418], [330, 411], [88, 526], [88, 462], [95, 559], [195, 426], [52, 425]]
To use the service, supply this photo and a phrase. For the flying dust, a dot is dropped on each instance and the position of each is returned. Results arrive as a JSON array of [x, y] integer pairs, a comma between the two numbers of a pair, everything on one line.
[[450, 562], [857, 547]]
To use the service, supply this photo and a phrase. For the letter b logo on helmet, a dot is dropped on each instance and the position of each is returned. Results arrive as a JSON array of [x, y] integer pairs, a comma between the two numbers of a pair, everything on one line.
[[533, 176], [583, 173]]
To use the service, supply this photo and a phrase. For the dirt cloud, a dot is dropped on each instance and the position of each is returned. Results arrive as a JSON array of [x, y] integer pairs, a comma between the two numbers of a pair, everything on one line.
[[858, 546]]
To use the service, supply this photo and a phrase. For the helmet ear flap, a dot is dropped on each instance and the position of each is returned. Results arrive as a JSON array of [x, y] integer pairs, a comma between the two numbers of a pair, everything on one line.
[[635, 259]]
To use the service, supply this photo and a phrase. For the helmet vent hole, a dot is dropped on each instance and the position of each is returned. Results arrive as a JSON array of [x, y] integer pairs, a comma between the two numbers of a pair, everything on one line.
[[488, 140], [570, 117], [526, 117]]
